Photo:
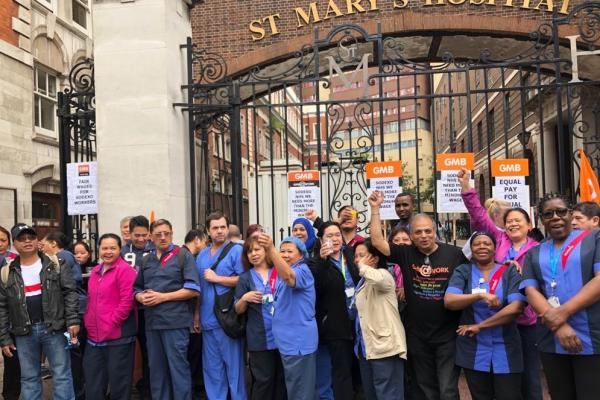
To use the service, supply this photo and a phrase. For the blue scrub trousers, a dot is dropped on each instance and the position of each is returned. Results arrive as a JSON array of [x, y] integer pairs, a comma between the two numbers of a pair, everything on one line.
[[300, 376], [323, 383], [168, 364], [223, 366]]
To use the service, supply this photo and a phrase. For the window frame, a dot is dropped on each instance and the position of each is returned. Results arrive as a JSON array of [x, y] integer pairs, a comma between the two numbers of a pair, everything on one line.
[[86, 6], [48, 73]]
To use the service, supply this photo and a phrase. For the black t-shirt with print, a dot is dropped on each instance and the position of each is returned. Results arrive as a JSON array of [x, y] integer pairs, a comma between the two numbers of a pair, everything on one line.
[[425, 286]]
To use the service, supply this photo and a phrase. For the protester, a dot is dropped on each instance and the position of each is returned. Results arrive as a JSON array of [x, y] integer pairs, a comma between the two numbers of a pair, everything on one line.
[[5, 245], [56, 243], [347, 218], [430, 329], [303, 230], [125, 229], [380, 338], [400, 235], [513, 243], [166, 280], [235, 235], [134, 251], [294, 325], [335, 280], [83, 256], [38, 323], [254, 230], [405, 207], [111, 324], [561, 278], [255, 296], [586, 215], [488, 347], [11, 376], [219, 266], [196, 240]]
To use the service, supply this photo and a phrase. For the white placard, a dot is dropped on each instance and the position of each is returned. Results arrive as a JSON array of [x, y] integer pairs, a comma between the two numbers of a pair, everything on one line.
[[390, 187], [449, 199], [512, 189], [304, 192], [82, 188]]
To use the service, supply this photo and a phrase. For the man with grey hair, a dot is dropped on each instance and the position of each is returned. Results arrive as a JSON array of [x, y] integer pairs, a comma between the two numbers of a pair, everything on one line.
[[124, 226], [427, 266], [235, 235]]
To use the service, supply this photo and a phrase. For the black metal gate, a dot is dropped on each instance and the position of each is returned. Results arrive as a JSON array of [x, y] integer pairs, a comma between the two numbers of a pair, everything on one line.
[[77, 143], [323, 109]]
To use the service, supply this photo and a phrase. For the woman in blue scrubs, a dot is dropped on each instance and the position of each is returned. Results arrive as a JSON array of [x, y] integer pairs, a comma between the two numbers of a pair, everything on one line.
[[294, 324], [488, 346], [561, 278], [255, 294]]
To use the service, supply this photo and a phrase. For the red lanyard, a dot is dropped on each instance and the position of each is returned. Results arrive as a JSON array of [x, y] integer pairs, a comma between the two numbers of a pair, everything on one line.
[[272, 280], [564, 257], [172, 254], [495, 279]]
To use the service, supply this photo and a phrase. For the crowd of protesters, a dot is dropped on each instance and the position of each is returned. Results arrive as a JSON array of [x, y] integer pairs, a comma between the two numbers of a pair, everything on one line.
[[326, 314]]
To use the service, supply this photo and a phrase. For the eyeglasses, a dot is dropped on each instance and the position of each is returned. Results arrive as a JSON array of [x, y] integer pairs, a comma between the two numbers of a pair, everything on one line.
[[426, 261], [560, 212], [24, 238], [162, 234]]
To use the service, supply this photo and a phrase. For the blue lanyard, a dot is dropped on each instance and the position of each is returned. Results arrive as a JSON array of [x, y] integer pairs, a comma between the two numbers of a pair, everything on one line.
[[512, 254], [554, 258]]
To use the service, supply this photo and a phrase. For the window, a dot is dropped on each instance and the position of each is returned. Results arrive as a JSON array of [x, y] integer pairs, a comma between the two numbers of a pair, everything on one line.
[[228, 149], [80, 12], [45, 100], [492, 124], [480, 135], [506, 109], [51, 4]]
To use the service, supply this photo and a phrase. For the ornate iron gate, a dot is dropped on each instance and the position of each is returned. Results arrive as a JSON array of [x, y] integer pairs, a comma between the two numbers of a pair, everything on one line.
[[77, 142], [311, 112]]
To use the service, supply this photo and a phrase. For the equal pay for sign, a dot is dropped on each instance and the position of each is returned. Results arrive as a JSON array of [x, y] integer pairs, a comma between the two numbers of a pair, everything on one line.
[[510, 182]]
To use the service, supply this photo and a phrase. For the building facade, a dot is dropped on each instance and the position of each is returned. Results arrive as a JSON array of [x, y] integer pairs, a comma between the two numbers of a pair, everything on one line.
[[40, 40]]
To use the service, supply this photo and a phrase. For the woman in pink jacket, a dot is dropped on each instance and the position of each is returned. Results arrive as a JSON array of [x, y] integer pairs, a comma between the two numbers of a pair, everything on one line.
[[512, 244], [110, 322]]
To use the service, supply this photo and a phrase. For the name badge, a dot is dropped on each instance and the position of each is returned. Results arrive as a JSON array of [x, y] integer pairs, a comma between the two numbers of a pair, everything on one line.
[[349, 292], [478, 290], [554, 301], [267, 298]]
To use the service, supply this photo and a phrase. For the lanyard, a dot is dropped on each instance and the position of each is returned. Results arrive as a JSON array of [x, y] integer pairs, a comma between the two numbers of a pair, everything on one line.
[[272, 280], [495, 279], [565, 252], [343, 266], [171, 254], [554, 258]]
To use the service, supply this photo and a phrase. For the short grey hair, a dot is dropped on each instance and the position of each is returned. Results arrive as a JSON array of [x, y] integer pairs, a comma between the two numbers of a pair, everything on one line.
[[125, 219]]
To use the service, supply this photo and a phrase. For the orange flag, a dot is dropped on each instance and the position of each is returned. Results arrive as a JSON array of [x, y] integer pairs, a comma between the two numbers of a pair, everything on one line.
[[589, 190], [153, 218]]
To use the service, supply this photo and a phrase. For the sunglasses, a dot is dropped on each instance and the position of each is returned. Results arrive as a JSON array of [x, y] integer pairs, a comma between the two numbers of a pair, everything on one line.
[[560, 212]]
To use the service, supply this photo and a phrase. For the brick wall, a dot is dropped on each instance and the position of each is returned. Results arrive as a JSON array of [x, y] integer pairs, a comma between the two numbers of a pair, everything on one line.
[[8, 10], [223, 25]]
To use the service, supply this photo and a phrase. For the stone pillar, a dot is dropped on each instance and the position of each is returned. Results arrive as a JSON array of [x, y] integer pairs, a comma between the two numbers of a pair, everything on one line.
[[143, 157]]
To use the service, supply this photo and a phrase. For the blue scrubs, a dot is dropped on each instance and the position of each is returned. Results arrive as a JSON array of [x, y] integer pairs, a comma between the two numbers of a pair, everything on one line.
[[581, 266], [168, 324], [497, 349], [222, 356], [295, 332]]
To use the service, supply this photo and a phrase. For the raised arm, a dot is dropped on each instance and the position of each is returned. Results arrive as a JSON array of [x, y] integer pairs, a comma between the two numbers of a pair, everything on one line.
[[375, 201], [480, 220], [284, 271]]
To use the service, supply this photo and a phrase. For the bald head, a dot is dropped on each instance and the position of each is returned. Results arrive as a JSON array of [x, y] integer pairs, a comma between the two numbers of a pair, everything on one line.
[[422, 233]]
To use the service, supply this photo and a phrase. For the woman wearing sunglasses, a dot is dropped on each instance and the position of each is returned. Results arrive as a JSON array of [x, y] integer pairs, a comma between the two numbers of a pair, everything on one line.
[[513, 243], [561, 279]]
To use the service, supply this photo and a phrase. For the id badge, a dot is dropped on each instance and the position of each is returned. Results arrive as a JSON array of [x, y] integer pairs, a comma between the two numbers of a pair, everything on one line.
[[554, 301], [478, 290], [267, 298], [349, 292]]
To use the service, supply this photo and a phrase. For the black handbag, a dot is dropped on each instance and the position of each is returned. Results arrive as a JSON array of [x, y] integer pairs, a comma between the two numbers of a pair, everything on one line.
[[233, 325]]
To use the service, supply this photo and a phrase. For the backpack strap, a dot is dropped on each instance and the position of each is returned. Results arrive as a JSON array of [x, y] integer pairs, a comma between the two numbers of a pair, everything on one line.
[[223, 254]]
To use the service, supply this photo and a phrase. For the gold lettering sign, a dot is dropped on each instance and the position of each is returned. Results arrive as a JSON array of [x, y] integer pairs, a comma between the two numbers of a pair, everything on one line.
[[318, 11]]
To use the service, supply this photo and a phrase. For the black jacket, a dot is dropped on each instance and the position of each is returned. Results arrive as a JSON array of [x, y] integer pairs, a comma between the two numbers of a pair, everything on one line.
[[60, 300], [331, 308]]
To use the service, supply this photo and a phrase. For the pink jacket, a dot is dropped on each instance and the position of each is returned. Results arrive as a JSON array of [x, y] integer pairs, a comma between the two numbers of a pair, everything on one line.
[[110, 311], [481, 221]]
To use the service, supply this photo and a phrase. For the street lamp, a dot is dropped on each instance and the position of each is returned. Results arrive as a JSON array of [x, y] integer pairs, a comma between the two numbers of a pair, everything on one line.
[[524, 138]]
